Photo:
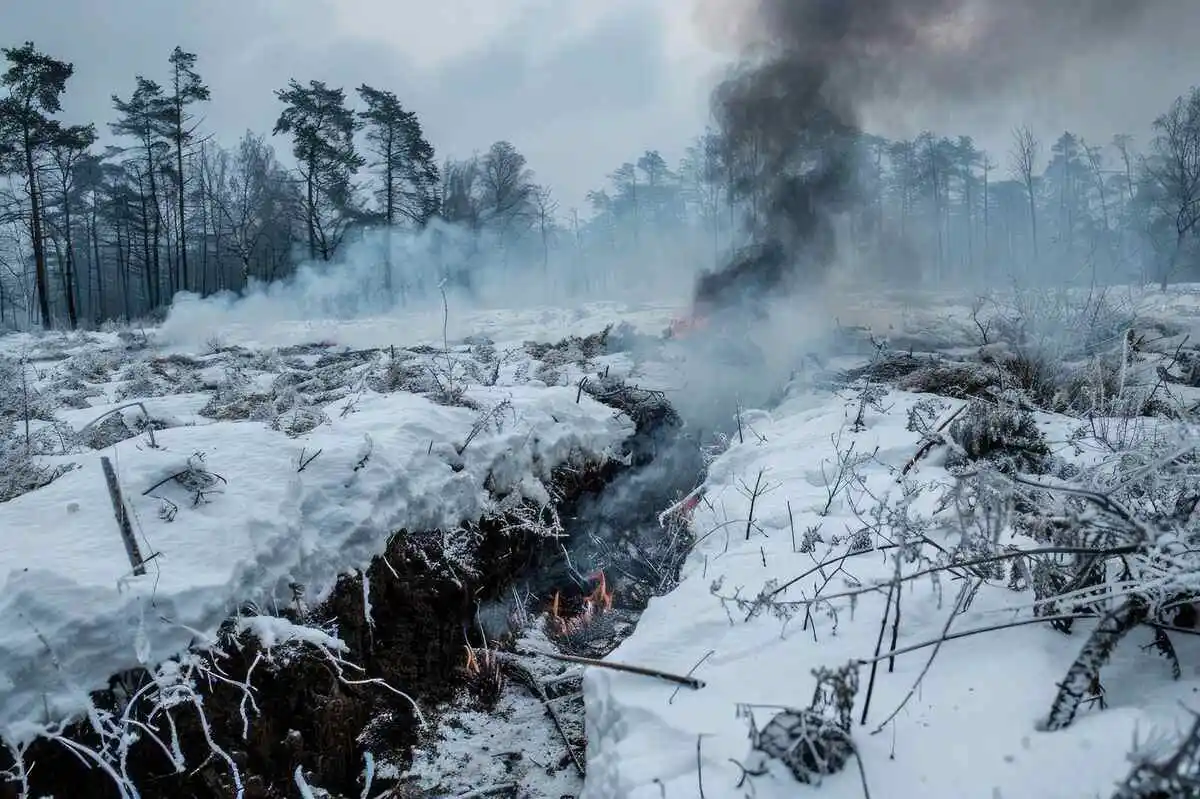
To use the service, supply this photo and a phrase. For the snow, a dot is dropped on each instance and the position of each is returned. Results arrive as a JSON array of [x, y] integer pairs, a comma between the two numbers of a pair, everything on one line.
[[972, 721], [72, 614], [71, 611]]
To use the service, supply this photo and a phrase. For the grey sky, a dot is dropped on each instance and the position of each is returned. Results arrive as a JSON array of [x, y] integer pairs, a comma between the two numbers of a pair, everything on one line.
[[578, 85]]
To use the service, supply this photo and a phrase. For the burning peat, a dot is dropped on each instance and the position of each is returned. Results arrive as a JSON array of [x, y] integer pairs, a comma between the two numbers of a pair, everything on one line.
[[477, 638]]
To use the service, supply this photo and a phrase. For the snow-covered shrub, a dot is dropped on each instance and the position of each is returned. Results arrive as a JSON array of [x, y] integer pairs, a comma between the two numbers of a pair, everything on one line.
[[1004, 436], [404, 372], [139, 380], [950, 379], [21, 471], [92, 365], [294, 416], [572, 349], [237, 405]]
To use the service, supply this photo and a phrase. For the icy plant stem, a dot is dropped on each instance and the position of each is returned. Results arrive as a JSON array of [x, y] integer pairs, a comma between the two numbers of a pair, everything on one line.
[[1095, 653], [962, 600], [1016, 553], [753, 500], [887, 605], [904, 650]]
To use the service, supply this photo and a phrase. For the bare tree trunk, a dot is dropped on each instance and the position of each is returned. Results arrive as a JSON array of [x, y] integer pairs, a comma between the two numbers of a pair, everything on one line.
[[101, 310], [69, 265], [1169, 269], [36, 233]]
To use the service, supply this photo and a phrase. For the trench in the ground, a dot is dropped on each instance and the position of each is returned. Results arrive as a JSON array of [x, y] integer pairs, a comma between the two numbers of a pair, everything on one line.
[[423, 611]]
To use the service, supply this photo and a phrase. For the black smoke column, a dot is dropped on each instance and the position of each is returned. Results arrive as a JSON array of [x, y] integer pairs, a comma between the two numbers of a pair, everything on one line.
[[789, 114]]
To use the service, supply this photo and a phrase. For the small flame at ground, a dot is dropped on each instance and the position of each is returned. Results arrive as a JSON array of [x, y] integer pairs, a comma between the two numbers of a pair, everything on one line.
[[599, 601]]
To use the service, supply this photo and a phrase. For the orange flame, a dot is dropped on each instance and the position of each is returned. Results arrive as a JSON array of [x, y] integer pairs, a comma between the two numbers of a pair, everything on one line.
[[472, 662], [599, 601]]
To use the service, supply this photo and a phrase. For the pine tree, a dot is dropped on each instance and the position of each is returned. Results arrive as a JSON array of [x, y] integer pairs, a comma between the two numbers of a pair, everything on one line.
[[322, 130], [35, 84], [408, 175], [186, 89], [143, 117]]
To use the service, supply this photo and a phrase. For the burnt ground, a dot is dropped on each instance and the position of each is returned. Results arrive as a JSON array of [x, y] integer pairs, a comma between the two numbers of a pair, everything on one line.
[[310, 714]]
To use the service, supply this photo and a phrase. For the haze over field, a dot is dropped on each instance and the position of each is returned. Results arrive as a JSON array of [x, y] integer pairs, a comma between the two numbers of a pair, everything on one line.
[[560, 146]]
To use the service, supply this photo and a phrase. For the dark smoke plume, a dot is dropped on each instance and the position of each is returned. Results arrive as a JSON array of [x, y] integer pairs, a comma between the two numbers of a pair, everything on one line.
[[789, 114]]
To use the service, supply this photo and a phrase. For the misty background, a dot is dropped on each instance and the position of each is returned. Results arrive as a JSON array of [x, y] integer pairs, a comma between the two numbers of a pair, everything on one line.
[[558, 152]]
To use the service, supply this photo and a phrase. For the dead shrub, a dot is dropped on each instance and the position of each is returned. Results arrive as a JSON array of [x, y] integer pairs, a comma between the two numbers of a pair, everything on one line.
[[1005, 437], [951, 379]]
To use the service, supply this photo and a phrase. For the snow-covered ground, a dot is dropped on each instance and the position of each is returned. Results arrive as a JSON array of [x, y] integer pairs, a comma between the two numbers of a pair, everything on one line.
[[970, 729], [243, 521], [803, 490]]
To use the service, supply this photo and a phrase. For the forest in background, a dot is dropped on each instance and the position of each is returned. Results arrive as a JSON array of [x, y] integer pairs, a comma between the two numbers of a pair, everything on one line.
[[91, 234]]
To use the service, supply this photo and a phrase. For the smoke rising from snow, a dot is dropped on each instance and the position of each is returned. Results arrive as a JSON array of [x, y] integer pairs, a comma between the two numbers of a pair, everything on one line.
[[346, 300], [809, 69]]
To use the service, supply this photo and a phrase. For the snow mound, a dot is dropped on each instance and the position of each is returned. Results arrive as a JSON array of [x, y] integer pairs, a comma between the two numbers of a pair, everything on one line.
[[234, 512]]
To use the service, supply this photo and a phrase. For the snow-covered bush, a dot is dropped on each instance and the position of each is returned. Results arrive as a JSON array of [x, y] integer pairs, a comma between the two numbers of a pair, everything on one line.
[[1007, 438]]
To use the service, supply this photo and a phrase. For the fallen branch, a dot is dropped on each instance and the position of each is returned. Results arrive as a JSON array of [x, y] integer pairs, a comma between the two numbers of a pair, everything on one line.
[[1084, 674], [688, 682], [930, 443], [177, 475], [539, 691], [962, 564], [904, 650], [122, 514]]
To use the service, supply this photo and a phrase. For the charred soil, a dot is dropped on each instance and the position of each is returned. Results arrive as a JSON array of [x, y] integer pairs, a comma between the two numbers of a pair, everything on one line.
[[406, 622]]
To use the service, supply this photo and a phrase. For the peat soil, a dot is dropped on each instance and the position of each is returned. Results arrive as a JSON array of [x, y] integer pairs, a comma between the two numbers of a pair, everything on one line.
[[323, 719]]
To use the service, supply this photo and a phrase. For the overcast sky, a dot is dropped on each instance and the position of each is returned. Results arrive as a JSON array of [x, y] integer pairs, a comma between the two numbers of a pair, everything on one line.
[[577, 85]]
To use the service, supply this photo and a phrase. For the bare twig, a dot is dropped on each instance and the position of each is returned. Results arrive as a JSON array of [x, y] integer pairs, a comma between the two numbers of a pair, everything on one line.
[[887, 606], [974, 631], [687, 682], [959, 604]]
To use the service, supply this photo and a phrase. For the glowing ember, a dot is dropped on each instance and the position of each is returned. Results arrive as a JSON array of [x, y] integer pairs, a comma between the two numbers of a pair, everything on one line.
[[472, 662], [599, 601]]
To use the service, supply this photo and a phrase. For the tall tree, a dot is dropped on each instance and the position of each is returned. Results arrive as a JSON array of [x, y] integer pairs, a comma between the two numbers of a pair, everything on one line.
[[404, 158], [69, 148], [250, 193], [508, 189], [142, 117], [186, 90], [461, 202], [1174, 167], [545, 207], [322, 129], [1024, 158], [35, 84], [407, 173]]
